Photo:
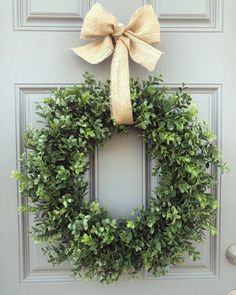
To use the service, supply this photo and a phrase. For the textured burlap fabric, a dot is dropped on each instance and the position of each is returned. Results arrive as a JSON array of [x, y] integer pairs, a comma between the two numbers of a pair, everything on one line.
[[108, 36]]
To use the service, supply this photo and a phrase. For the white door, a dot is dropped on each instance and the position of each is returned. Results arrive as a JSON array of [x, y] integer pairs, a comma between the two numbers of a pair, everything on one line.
[[199, 42]]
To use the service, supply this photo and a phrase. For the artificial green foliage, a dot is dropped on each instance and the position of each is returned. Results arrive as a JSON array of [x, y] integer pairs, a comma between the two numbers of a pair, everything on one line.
[[51, 180]]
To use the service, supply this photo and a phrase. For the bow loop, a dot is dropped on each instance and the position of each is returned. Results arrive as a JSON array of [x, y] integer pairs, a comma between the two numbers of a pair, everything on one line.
[[111, 37], [144, 25], [98, 23]]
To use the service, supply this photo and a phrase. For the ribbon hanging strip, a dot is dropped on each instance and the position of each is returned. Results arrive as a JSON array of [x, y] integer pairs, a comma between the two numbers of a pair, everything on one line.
[[108, 36]]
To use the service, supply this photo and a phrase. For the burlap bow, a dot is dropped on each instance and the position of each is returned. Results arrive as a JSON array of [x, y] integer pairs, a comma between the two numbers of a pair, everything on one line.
[[108, 36]]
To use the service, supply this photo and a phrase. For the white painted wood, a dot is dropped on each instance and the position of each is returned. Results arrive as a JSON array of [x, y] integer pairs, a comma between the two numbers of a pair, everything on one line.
[[35, 59], [53, 15], [54, 7], [189, 15], [121, 164], [189, 8]]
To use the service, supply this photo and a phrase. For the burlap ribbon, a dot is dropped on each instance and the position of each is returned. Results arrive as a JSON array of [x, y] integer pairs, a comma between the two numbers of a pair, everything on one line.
[[109, 36]]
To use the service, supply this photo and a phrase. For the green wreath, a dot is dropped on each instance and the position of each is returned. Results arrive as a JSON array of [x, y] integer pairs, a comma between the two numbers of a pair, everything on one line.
[[76, 120]]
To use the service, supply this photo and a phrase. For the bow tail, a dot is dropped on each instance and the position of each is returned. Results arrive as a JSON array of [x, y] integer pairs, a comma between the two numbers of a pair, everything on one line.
[[120, 101], [96, 51], [143, 53]]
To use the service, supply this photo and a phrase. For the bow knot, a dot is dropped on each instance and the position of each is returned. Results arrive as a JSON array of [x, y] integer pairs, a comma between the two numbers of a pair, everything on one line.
[[134, 40], [118, 32]]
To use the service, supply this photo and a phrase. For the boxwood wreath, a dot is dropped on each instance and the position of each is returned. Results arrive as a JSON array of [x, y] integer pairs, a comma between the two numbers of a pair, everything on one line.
[[51, 180]]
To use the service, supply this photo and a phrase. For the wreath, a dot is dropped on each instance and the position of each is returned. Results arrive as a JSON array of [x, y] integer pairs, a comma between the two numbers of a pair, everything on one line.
[[76, 120]]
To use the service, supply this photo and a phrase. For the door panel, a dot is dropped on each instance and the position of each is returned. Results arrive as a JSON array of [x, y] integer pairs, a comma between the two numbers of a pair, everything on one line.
[[199, 45], [189, 15]]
